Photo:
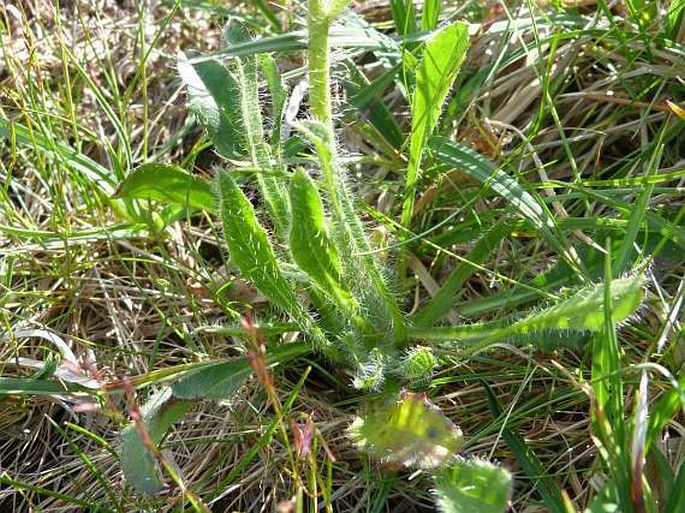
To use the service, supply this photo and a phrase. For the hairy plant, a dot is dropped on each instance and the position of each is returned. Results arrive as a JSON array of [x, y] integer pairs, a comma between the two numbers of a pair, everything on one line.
[[308, 251]]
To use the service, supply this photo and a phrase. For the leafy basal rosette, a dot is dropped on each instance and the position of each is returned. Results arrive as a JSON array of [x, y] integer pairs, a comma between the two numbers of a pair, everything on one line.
[[410, 431]]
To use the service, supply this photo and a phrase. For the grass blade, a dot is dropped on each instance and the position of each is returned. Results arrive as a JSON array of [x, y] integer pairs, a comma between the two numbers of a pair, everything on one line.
[[444, 299], [404, 16], [528, 460], [478, 167], [430, 14]]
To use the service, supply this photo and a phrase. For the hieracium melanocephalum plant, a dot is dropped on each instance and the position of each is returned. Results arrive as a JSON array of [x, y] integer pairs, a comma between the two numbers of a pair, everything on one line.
[[317, 247]]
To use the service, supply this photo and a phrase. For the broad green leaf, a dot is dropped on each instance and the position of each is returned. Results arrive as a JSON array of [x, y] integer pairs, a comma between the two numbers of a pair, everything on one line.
[[214, 97], [168, 184], [473, 486], [221, 380], [472, 163], [310, 245], [440, 61], [216, 381], [249, 244], [411, 432], [254, 256], [158, 414]]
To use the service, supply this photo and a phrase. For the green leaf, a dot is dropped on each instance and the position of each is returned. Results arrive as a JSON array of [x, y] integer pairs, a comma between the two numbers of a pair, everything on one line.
[[411, 431], [249, 244], [32, 386], [643, 12], [674, 18], [254, 255], [168, 184], [214, 97], [580, 312], [675, 502], [276, 86], [311, 247], [473, 486], [404, 16], [95, 173], [441, 59], [158, 414], [359, 264], [417, 365], [430, 14], [270, 185], [365, 96], [221, 380], [661, 413], [583, 311]]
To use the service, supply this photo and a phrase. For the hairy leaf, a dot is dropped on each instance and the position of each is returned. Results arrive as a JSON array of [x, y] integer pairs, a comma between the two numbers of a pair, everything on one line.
[[249, 244], [473, 486], [221, 380], [411, 431], [580, 312], [310, 244]]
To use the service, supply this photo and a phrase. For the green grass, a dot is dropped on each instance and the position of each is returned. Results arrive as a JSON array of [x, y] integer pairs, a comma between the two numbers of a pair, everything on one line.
[[479, 231]]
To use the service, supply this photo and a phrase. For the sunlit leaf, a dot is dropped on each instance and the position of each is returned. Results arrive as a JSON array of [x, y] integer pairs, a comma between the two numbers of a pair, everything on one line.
[[441, 59], [473, 486], [168, 184], [411, 432]]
